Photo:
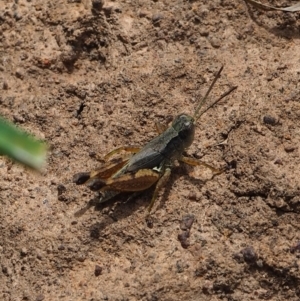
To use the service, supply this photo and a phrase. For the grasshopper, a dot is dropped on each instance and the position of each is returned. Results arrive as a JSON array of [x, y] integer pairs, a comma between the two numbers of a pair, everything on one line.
[[150, 165]]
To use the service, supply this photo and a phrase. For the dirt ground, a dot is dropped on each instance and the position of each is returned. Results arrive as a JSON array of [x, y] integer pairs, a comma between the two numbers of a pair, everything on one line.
[[91, 76]]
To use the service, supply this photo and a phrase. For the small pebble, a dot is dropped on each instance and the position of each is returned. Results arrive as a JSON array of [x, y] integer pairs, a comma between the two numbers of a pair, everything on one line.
[[269, 120], [143, 14], [249, 254], [61, 189], [98, 270], [61, 247], [192, 196], [215, 42], [24, 252], [295, 248], [184, 239], [290, 148], [156, 18], [187, 222], [6, 271], [149, 222], [259, 263], [81, 258], [278, 162], [19, 74]]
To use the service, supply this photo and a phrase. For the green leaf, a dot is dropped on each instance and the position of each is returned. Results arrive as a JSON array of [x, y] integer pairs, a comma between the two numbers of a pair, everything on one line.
[[21, 146]]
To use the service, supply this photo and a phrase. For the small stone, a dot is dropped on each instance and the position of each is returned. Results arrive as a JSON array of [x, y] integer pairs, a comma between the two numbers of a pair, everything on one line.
[[157, 17], [81, 258], [108, 108], [18, 118], [19, 74], [24, 252], [143, 14], [290, 148], [61, 247], [97, 4], [192, 196], [69, 56], [204, 32], [6, 271], [269, 120], [278, 162], [149, 221], [17, 16], [187, 222], [184, 239], [259, 263], [295, 248], [61, 189], [98, 270], [215, 42], [249, 254]]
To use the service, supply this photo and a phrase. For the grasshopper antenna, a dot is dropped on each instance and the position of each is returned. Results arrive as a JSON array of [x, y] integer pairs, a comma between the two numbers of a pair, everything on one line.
[[203, 101], [221, 97]]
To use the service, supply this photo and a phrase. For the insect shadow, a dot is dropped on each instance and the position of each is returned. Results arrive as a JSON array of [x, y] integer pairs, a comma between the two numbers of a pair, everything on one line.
[[127, 204]]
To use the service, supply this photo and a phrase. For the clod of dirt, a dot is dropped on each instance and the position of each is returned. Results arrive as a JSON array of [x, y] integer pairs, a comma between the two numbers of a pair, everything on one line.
[[249, 254], [183, 238], [290, 148], [186, 225], [61, 189], [19, 73], [187, 222], [97, 4], [295, 248], [98, 270], [149, 222], [156, 18]]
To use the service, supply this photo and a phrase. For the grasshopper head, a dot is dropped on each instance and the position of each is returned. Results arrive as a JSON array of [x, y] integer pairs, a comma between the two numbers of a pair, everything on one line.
[[184, 125]]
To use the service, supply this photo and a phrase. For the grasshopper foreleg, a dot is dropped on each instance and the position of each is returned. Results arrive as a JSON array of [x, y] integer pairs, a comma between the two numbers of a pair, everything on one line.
[[195, 162]]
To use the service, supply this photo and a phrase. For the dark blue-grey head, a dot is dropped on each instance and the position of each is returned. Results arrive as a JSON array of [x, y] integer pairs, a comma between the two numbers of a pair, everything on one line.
[[184, 125]]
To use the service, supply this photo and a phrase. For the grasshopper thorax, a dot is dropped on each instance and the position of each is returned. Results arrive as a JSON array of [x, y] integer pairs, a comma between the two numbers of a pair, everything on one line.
[[184, 125]]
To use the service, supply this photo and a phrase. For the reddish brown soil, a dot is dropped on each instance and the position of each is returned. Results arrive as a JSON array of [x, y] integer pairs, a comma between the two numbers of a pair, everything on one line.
[[90, 80]]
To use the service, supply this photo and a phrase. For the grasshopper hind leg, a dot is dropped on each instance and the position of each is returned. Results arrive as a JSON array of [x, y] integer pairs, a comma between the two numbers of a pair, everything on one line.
[[96, 179]]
